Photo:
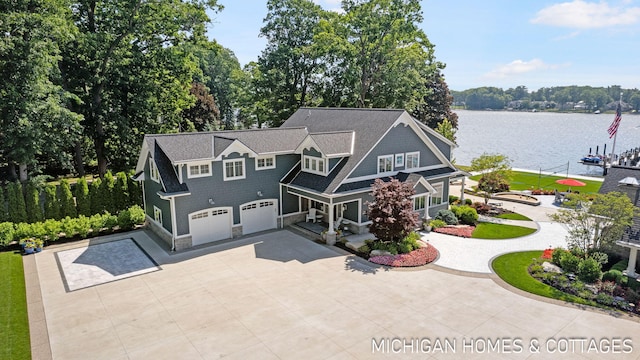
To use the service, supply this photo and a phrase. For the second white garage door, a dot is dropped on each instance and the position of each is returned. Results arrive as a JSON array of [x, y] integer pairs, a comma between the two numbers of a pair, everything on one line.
[[210, 225], [259, 215]]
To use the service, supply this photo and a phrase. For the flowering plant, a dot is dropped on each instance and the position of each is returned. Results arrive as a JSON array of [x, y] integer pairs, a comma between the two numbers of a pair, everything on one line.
[[418, 257], [462, 231]]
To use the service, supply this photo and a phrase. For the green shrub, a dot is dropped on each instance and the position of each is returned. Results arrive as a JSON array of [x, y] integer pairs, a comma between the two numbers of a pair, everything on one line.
[[600, 257], [613, 276], [83, 226], [577, 252], [52, 229], [83, 204], [620, 265], [67, 205], [97, 222], [589, 270], [3, 208], [107, 193], [447, 216], [15, 202], [69, 227], [110, 221], [453, 199], [604, 299], [32, 202], [437, 224], [557, 255], [51, 205], [22, 230], [468, 202], [6, 233], [364, 249], [138, 217], [135, 191], [95, 197], [466, 214], [569, 262], [121, 192]]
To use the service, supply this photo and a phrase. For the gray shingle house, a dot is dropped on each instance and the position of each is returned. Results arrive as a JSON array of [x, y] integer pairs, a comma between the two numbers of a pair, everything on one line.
[[626, 180], [204, 187]]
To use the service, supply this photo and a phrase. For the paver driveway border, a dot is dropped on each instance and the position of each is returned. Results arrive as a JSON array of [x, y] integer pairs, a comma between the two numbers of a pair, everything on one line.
[[278, 295]]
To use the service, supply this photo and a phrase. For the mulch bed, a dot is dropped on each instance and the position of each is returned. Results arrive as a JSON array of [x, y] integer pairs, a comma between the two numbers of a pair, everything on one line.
[[418, 257]]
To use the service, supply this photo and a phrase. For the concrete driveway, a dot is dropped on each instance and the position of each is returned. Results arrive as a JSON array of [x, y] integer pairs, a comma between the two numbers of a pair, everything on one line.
[[280, 296]]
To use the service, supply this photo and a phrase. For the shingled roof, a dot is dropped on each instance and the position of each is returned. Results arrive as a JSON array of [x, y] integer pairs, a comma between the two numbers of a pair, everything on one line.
[[369, 125]]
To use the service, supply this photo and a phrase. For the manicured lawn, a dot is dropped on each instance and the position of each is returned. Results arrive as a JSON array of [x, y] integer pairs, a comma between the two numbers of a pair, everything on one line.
[[513, 216], [512, 268], [530, 181], [14, 323], [500, 231]]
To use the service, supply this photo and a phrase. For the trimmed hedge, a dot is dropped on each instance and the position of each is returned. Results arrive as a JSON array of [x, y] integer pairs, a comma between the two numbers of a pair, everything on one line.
[[82, 226]]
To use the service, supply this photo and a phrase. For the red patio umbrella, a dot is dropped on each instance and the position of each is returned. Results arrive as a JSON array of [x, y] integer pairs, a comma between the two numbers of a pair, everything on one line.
[[570, 182]]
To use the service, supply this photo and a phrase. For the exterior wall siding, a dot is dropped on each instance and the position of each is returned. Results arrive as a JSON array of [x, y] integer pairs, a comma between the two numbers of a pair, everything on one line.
[[441, 145], [233, 192], [152, 199], [401, 139], [290, 202], [311, 152]]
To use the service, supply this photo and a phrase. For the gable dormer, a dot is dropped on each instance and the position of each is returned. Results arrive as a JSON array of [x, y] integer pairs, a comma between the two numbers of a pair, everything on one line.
[[320, 152]]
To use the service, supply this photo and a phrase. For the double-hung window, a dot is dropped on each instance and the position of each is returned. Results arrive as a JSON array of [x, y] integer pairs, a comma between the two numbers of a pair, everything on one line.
[[419, 202], [413, 160], [436, 199], [199, 170], [385, 164], [234, 169]]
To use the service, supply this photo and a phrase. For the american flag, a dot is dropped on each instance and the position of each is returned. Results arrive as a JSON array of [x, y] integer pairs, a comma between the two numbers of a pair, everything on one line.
[[613, 129]]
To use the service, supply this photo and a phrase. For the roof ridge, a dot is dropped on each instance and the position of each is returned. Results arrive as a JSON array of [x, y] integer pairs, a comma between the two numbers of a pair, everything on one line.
[[217, 132], [351, 108]]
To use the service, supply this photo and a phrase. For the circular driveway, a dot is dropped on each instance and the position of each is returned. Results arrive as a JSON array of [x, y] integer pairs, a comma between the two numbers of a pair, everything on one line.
[[280, 296]]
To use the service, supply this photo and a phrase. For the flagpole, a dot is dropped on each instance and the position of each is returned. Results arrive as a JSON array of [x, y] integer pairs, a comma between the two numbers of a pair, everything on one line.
[[615, 136]]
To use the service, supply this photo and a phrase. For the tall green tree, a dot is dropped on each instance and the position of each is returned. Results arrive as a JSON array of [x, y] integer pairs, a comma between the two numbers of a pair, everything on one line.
[[106, 193], [446, 129], [130, 67], [204, 115], [32, 202], [51, 203], [83, 204], [34, 119], [436, 106], [16, 206], [65, 198], [135, 191], [289, 65]]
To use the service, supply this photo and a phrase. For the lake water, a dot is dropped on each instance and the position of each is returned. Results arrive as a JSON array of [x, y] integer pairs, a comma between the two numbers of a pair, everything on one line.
[[542, 140]]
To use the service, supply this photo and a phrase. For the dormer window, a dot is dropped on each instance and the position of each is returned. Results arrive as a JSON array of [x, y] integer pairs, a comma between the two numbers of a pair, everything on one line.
[[314, 165], [266, 162], [199, 170]]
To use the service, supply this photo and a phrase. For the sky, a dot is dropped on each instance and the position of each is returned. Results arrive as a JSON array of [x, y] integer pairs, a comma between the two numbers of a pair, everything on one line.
[[501, 43]]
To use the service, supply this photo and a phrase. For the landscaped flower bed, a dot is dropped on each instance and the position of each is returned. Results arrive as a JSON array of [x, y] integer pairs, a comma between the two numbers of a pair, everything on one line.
[[456, 230], [613, 290], [419, 257]]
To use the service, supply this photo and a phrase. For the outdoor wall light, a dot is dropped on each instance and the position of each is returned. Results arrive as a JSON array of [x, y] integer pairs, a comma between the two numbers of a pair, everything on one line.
[[259, 193], [211, 201]]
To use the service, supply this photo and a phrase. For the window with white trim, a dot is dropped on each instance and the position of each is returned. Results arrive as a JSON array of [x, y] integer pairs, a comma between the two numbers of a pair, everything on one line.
[[413, 160], [419, 202], [153, 171], [436, 198], [314, 165], [385, 163], [234, 169], [157, 215], [199, 170], [266, 162], [399, 162]]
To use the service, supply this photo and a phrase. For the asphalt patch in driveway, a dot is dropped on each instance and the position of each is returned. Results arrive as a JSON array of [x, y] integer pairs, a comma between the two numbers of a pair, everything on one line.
[[102, 263]]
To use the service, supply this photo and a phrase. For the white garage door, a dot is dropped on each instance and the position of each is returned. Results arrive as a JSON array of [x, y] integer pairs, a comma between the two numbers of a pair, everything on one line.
[[210, 225], [259, 215]]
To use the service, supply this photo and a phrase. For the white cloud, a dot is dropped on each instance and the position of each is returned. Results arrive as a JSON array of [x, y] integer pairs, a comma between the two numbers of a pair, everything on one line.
[[580, 14], [518, 67]]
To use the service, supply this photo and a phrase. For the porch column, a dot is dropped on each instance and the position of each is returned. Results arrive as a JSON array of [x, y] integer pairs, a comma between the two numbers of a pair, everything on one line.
[[331, 234], [631, 268], [462, 190]]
